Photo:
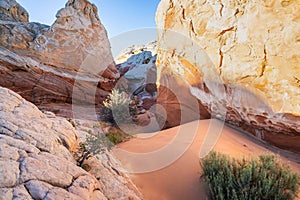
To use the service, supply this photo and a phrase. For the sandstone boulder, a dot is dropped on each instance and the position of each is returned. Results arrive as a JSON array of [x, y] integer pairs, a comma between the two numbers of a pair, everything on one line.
[[138, 71], [142, 70], [68, 61], [238, 59], [37, 162]]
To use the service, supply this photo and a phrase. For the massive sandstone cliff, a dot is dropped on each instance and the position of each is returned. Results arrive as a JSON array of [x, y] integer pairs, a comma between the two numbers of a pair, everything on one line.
[[239, 60], [37, 162], [68, 61]]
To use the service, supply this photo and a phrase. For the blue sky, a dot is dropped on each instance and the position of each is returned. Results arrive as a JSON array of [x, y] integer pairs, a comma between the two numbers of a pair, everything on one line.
[[118, 16]]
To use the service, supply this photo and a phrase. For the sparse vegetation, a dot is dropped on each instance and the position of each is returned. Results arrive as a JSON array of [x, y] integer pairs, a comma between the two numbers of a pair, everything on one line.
[[118, 108], [93, 145], [114, 138], [97, 126], [264, 178], [114, 134]]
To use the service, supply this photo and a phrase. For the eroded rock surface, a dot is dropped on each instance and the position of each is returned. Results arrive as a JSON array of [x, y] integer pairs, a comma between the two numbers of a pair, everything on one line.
[[136, 49], [141, 70], [137, 67], [61, 63], [37, 162], [240, 59]]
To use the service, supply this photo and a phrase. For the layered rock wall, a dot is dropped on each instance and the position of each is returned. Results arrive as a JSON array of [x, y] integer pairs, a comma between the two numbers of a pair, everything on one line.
[[60, 63], [240, 59]]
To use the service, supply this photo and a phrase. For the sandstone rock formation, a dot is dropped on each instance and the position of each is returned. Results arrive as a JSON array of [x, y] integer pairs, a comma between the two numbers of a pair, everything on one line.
[[141, 70], [37, 163], [62, 63], [137, 67], [136, 49], [240, 59]]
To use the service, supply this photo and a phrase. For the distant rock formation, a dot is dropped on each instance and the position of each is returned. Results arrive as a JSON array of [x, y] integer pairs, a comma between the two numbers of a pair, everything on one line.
[[37, 163], [136, 49], [61, 63], [137, 67], [240, 60]]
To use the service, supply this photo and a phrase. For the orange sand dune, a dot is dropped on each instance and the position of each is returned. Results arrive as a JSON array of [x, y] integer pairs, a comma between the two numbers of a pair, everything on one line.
[[181, 179]]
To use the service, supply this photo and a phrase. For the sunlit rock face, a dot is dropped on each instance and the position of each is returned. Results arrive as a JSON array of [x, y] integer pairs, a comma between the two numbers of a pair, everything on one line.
[[47, 64], [240, 59]]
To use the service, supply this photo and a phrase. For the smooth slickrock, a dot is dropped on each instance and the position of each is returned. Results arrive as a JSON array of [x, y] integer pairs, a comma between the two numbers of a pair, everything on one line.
[[36, 157], [68, 61], [240, 59]]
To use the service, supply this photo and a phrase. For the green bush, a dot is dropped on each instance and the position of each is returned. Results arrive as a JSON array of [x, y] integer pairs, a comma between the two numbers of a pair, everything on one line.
[[106, 115], [115, 138], [264, 178], [93, 145], [118, 108]]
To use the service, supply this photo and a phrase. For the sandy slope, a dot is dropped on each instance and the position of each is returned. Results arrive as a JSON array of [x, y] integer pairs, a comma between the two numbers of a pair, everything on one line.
[[180, 180]]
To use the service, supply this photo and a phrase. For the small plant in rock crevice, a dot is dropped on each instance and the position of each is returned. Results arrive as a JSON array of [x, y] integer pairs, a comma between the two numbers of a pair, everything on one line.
[[93, 145]]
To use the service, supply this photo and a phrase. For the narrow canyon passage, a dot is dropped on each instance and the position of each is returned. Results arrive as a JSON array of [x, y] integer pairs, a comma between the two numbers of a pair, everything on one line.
[[181, 179]]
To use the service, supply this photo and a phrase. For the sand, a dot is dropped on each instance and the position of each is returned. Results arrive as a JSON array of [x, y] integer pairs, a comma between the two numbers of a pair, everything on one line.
[[181, 179]]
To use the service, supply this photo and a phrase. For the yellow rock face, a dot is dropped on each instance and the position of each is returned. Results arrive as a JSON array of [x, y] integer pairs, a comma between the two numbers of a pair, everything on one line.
[[251, 43], [251, 47]]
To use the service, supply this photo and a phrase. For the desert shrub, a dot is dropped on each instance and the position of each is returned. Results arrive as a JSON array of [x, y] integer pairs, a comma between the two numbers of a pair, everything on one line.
[[115, 138], [264, 178], [106, 115], [115, 135], [94, 144], [118, 108]]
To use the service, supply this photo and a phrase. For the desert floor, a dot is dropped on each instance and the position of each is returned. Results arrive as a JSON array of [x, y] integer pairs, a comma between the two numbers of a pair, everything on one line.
[[181, 179]]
